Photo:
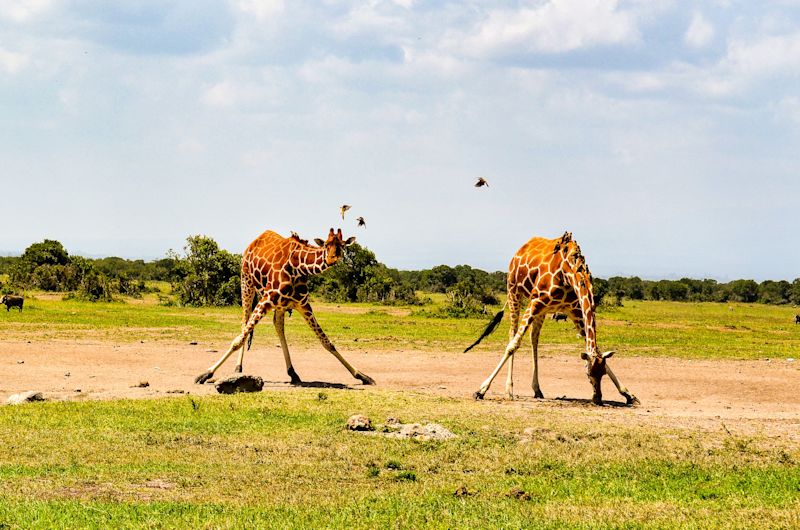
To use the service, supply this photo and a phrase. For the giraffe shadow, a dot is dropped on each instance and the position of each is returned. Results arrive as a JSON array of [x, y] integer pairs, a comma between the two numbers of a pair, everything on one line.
[[310, 384], [590, 403]]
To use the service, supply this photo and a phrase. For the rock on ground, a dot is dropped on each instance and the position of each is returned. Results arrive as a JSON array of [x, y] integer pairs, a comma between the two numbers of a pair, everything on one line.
[[358, 422], [24, 397], [240, 383]]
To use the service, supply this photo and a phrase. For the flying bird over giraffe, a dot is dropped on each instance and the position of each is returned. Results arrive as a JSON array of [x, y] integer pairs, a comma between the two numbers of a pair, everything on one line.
[[277, 268], [344, 208], [481, 182], [361, 222]]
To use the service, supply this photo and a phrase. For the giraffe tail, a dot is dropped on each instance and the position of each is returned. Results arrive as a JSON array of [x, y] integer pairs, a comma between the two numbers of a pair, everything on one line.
[[250, 336], [489, 329]]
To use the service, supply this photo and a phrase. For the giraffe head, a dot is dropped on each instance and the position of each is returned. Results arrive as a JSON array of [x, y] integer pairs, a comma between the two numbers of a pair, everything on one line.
[[595, 370], [334, 245]]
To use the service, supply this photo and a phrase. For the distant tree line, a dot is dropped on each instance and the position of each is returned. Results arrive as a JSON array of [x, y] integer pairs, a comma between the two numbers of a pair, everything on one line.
[[203, 274], [618, 288]]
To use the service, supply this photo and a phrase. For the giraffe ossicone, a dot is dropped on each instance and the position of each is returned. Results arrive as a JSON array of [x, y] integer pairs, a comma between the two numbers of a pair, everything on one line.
[[277, 269], [553, 275]]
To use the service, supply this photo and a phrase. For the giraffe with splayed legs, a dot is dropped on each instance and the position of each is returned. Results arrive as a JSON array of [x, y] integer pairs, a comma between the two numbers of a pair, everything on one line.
[[277, 269], [553, 275]]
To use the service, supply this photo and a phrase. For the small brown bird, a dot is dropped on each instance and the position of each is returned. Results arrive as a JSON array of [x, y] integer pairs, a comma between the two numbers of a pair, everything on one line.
[[344, 208], [481, 182], [361, 222]]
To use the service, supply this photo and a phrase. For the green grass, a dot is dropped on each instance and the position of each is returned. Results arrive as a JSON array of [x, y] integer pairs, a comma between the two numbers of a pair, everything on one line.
[[658, 329], [283, 459]]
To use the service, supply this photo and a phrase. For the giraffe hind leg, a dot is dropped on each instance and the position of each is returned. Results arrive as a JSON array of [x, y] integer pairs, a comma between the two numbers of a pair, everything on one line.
[[248, 305], [536, 328], [278, 320], [536, 307], [261, 308]]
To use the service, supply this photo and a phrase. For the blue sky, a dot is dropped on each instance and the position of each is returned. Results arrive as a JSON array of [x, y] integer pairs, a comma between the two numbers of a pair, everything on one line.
[[663, 134]]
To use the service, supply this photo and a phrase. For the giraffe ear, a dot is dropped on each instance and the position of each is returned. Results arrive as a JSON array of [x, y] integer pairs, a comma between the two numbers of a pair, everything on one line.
[[330, 234], [585, 356], [319, 242], [606, 355], [350, 241]]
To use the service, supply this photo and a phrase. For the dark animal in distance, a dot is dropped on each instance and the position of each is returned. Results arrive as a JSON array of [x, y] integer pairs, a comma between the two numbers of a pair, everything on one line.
[[797, 319], [559, 316], [12, 301]]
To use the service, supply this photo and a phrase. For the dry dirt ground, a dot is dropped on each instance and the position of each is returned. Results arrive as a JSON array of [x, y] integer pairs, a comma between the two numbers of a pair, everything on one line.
[[747, 396]]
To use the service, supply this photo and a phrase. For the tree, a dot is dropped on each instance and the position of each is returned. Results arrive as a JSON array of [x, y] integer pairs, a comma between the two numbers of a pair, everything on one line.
[[206, 275], [794, 295], [744, 291]]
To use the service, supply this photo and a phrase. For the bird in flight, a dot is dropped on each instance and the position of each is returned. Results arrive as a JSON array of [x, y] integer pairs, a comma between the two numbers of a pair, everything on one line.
[[481, 182], [361, 222], [344, 208]]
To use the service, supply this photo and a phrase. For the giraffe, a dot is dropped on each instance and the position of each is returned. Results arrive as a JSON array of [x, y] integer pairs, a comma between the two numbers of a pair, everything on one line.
[[554, 275], [277, 269]]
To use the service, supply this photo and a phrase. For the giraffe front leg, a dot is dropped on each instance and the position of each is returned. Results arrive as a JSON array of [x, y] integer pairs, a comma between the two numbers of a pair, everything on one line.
[[278, 320], [307, 313], [630, 399], [262, 307]]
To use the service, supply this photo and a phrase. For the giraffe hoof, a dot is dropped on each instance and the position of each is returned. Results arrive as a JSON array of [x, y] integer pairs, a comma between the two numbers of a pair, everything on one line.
[[238, 369], [202, 378], [478, 395], [630, 399], [367, 380], [295, 379], [538, 394]]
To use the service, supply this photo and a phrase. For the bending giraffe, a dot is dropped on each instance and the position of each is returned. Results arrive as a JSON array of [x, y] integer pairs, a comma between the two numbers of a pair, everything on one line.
[[553, 274], [278, 268]]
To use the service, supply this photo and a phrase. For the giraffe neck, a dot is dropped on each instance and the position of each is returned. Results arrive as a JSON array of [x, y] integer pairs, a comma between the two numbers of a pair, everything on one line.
[[582, 285], [310, 260]]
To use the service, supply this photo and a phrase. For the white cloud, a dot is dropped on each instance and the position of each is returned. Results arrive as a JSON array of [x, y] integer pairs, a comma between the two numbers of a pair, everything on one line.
[[777, 54], [21, 11], [556, 26], [12, 62], [220, 95], [699, 33], [261, 9]]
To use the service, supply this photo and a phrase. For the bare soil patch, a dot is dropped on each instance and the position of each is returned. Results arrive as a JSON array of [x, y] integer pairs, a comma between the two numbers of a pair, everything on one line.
[[747, 397]]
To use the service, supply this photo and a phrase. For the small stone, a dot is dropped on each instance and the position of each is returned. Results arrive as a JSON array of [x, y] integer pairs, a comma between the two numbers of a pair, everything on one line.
[[67, 374], [790, 360], [211, 351], [240, 383], [20, 362], [359, 422], [77, 391], [193, 343], [25, 397], [520, 494], [175, 391], [141, 384], [462, 491]]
